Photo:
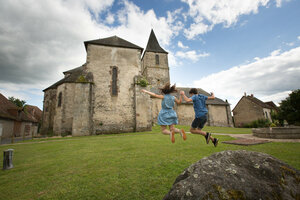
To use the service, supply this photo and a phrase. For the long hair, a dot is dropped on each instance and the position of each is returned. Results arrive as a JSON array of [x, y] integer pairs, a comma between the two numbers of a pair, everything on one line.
[[167, 89]]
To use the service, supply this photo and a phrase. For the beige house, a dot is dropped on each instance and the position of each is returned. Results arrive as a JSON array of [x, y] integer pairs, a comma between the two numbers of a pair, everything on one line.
[[249, 109], [103, 95]]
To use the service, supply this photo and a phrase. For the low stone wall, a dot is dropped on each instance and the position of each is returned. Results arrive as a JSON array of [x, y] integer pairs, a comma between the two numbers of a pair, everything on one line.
[[277, 132]]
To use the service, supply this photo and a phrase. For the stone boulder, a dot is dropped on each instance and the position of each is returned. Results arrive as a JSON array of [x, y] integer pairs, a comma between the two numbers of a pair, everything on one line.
[[237, 175]]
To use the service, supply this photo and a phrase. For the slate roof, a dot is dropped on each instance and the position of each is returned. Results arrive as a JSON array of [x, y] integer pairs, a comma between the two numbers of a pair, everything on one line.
[[272, 105], [71, 77], [8, 110], [216, 101], [256, 101], [153, 45], [113, 41]]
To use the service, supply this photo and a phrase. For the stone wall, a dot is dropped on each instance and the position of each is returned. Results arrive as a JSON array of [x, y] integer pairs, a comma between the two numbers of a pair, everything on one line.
[[157, 75], [218, 115], [82, 111], [185, 113], [64, 112], [143, 106], [113, 113], [277, 132], [49, 107], [7, 128], [246, 111]]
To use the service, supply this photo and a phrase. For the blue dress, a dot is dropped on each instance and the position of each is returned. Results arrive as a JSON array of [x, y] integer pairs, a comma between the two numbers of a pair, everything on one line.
[[167, 116]]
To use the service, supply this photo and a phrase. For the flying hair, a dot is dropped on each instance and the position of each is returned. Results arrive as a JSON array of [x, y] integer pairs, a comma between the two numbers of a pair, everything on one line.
[[167, 89]]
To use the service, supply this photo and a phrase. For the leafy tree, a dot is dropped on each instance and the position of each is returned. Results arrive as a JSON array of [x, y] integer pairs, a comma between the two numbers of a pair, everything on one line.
[[20, 103], [289, 109]]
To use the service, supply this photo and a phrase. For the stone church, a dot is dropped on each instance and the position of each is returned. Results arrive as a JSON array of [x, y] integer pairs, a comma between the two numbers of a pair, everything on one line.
[[103, 95]]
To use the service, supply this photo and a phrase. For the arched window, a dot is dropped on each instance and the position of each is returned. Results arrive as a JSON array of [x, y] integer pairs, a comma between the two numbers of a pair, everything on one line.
[[114, 86], [157, 59], [59, 99]]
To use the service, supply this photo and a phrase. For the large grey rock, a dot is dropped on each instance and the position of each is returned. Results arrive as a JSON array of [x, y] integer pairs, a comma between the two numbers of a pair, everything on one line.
[[237, 175]]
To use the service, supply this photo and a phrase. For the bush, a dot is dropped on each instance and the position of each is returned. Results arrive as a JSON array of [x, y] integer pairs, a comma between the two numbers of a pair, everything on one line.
[[260, 123], [143, 82]]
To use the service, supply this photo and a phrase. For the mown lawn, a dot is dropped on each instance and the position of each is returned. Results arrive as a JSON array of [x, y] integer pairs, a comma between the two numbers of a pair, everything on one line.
[[124, 166]]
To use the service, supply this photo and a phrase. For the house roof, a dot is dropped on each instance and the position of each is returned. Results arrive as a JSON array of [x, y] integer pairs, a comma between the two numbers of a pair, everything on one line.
[[272, 105], [254, 100], [8, 110], [216, 101], [71, 76], [153, 45], [34, 111], [113, 41]]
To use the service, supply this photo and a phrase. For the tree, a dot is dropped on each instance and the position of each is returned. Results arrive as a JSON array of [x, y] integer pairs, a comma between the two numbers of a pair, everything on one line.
[[19, 103], [289, 109]]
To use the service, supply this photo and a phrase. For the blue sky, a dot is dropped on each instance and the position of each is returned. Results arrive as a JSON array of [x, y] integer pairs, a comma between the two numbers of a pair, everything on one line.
[[223, 46]]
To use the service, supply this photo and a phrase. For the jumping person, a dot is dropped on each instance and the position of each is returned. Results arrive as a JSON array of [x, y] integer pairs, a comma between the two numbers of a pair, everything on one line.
[[200, 113], [167, 116]]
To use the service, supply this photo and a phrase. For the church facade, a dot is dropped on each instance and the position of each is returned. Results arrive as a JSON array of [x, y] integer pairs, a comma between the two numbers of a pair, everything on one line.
[[103, 95]]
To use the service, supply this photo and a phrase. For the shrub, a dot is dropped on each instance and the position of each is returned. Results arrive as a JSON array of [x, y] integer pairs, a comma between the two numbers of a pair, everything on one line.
[[260, 123], [143, 82]]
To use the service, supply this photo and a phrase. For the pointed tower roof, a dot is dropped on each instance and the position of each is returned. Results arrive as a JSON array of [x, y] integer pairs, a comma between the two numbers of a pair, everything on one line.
[[153, 44], [114, 41]]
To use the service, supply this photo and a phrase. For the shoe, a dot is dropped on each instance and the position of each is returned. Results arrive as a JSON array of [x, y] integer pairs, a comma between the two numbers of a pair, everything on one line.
[[215, 142], [207, 137], [172, 136], [183, 135]]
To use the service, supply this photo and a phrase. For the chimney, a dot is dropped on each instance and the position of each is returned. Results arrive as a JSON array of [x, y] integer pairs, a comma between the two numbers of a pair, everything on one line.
[[245, 94], [251, 95]]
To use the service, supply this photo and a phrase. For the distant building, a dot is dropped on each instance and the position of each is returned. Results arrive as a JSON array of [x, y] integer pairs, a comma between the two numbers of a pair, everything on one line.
[[104, 96], [15, 122], [249, 109]]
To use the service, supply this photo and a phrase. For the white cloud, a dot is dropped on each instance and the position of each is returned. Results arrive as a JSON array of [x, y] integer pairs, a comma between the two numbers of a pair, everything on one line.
[[275, 52], [191, 55], [208, 13], [298, 37], [265, 78], [181, 45], [110, 18]]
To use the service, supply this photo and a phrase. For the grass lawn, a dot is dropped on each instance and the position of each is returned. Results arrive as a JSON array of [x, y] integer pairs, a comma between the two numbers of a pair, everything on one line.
[[124, 166]]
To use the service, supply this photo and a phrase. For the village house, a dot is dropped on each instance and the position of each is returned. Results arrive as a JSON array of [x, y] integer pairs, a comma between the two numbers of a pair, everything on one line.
[[249, 109], [103, 95], [17, 123]]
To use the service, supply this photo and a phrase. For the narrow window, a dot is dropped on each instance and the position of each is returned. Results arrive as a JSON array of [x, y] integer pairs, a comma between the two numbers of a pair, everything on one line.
[[157, 59], [114, 87], [59, 99]]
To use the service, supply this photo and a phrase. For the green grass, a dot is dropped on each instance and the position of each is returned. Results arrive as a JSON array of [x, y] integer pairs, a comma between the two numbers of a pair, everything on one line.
[[124, 166]]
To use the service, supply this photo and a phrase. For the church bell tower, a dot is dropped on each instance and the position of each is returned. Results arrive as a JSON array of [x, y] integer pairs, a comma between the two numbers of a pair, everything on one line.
[[155, 67]]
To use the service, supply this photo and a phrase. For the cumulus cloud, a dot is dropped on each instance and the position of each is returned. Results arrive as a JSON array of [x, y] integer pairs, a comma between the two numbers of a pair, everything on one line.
[[191, 55], [181, 45], [208, 13], [41, 39], [268, 78]]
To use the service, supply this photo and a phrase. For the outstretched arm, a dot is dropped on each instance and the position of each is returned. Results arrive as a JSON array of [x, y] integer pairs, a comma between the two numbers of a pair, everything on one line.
[[178, 101], [212, 97], [153, 94], [185, 97]]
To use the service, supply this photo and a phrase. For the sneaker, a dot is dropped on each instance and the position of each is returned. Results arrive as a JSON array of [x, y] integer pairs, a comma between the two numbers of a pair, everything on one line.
[[172, 136], [183, 135], [215, 142], [207, 137]]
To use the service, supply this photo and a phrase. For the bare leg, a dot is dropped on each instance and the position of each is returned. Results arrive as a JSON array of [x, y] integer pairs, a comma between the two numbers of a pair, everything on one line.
[[176, 130], [165, 131], [200, 132]]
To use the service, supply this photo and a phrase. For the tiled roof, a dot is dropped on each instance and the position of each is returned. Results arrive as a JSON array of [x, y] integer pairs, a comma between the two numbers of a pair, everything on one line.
[[258, 102], [113, 41], [153, 45], [8, 110], [216, 101], [34, 111]]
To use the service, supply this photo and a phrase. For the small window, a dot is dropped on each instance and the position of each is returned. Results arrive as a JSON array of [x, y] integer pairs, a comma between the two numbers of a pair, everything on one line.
[[114, 87], [157, 59], [59, 99]]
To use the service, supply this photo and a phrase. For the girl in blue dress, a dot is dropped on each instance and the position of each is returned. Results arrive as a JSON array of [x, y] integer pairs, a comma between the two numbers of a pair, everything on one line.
[[167, 116]]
